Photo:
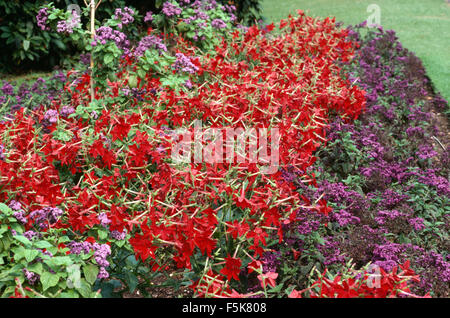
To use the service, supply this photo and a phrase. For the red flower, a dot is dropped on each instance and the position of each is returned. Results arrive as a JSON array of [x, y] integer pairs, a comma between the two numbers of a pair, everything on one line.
[[232, 267], [268, 279]]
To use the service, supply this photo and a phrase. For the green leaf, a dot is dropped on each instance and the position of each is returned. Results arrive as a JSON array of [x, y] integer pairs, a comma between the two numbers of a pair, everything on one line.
[[36, 268], [30, 255], [59, 260], [22, 239], [90, 273], [131, 280], [49, 280], [26, 45], [5, 209], [85, 289], [43, 244], [108, 59]]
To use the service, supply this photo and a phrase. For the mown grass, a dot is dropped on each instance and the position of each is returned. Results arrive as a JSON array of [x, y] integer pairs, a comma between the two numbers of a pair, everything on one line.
[[422, 26]]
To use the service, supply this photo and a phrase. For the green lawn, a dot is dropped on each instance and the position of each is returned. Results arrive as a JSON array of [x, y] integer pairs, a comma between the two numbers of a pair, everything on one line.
[[422, 26]]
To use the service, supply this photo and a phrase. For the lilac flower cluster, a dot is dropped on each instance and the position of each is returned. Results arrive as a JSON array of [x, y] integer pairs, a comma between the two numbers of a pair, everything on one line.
[[85, 58], [7, 89], [101, 252], [118, 235], [2, 154], [150, 42], [41, 18], [104, 220], [125, 16], [105, 34], [184, 64], [425, 152], [67, 110], [50, 117], [31, 277], [68, 26], [148, 16], [218, 24], [45, 216], [170, 10]]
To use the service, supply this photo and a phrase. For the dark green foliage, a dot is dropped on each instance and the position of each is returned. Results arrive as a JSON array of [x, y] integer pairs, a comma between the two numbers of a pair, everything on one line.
[[24, 45]]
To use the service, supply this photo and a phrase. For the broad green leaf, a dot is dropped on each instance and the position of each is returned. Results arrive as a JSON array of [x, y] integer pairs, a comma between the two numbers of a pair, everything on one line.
[[22, 239], [43, 244], [30, 255], [90, 273], [108, 59], [49, 280], [26, 45], [5, 209]]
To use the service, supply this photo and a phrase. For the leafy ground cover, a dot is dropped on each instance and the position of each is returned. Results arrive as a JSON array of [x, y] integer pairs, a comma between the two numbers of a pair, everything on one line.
[[95, 204]]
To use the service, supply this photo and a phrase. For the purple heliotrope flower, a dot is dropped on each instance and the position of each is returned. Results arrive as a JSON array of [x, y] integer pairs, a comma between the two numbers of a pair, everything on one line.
[[51, 116], [7, 89], [67, 110], [184, 64], [148, 17], [125, 16], [30, 276], [218, 24], [105, 33], [68, 26], [2, 155], [41, 18], [170, 9], [104, 220], [119, 235], [149, 42]]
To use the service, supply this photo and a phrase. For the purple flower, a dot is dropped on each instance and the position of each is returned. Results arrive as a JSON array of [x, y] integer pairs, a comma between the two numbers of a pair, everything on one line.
[[118, 235], [149, 42], [41, 18], [51, 117], [19, 215], [169, 9], [30, 276], [85, 58], [102, 274], [184, 64], [105, 33], [68, 26], [30, 234], [7, 89], [148, 17], [417, 224], [104, 220], [218, 24], [125, 16], [67, 110], [2, 155], [15, 205], [46, 215], [425, 152]]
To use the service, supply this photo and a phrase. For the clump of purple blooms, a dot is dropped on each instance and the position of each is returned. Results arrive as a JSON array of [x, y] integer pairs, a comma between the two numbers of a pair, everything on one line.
[[41, 18], [101, 252], [148, 16], [68, 26], [50, 117], [105, 34], [150, 42], [45, 216], [125, 16], [170, 10], [184, 64]]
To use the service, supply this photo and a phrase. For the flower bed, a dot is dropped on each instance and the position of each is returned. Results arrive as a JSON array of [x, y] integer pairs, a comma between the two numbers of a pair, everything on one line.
[[95, 200]]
